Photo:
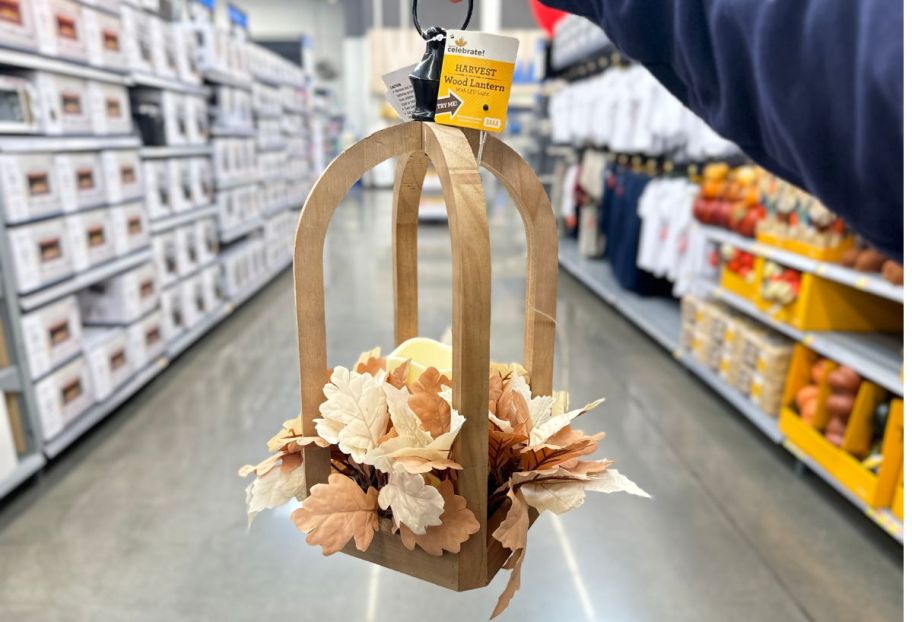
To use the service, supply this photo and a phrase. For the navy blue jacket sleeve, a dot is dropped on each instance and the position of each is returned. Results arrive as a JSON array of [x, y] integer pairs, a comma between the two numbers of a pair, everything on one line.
[[810, 89]]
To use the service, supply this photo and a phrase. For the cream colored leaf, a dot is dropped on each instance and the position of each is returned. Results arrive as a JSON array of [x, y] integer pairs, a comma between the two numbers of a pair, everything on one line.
[[514, 528], [549, 426], [438, 450], [355, 414], [540, 410], [414, 504], [290, 429], [512, 584], [504, 426], [336, 512], [406, 423], [365, 356], [417, 464], [457, 525], [563, 495], [276, 488]]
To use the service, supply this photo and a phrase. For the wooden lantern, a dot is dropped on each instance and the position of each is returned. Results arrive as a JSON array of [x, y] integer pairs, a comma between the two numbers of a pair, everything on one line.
[[453, 154]]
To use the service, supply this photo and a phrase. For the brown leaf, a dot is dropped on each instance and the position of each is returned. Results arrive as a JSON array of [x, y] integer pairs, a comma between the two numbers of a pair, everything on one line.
[[546, 457], [371, 366], [432, 410], [399, 376], [500, 445], [512, 407], [495, 390], [430, 382], [458, 524], [587, 467], [514, 528], [336, 512], [512, 585]]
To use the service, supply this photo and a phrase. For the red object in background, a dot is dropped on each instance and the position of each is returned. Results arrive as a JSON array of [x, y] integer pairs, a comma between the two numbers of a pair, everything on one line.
[[546, 17]]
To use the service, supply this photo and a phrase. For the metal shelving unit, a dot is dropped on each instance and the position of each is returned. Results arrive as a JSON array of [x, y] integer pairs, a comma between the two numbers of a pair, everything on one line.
[[875, 356], [14, 379], [865, 281]]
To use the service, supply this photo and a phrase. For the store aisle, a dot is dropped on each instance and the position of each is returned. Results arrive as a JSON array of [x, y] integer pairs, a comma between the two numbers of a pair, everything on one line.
[[145, 519]]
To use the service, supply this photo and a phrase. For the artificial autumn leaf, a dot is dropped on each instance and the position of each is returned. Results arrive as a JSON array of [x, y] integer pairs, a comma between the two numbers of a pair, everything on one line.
[[277, 487], [403, 447], [512, 583], [513, 408], [514, 528], [433, 412], [495, 390], [430, 381], [336, 512], [365, 356], [565, 490], [457, 525], [406, 423], [587, 467], [290, 429], [417, 464], [547, 426], [551, 455], [399, 376], [500, 444], [414, 504], [372, 365], [355, 414]]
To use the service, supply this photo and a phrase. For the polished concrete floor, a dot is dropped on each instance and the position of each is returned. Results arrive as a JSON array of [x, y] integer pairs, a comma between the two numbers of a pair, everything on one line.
[[144, 518]]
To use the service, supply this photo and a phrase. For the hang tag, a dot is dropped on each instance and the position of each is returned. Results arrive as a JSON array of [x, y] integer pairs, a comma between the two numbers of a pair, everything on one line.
[[399, 91], [475, 80]]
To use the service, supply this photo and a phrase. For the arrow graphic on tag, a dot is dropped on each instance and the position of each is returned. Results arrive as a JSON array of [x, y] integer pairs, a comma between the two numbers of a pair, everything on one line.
[[449, 104]]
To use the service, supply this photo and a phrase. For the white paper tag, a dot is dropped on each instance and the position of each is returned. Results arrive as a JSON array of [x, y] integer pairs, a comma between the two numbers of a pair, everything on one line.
[[399, 92]]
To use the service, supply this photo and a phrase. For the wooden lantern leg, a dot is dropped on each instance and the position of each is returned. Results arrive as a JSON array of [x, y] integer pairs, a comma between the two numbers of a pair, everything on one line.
[[538, 220], [410, 172]]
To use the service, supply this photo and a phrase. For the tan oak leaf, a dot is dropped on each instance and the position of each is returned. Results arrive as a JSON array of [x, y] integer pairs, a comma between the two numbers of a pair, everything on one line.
[[399, 376], [548, 426], [514, 528], [413, 503], [457, 525], [512, 587], [430, 381], [355, 414], [336, 512], [433, 412], [372, 365]]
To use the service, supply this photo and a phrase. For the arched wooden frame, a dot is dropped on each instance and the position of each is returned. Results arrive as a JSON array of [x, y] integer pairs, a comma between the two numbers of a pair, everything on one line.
[[452, 152]]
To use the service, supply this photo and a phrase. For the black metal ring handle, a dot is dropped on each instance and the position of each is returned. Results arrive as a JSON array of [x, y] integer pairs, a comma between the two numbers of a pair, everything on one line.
[[465, 24]]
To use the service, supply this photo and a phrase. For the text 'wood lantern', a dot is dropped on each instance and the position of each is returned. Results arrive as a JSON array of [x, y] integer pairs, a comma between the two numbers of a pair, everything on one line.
[[452, 152]]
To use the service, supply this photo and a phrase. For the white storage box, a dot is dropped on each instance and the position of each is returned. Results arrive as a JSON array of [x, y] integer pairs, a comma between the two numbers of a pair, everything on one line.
[[17, 24], [123, 175], [60, 29], [138, 39], [188, 70], [110, 108], [8, 457], [121, 299], [51, 335], [146, 339], [63, 396], [64, 104], [131, 228], [187, 249], [196, 115], [157, 185], [211, 289], [203, 191], [91, 237], [164, 52], [105, 42], [207, 239], [108, 357], [182, 184], [82, 180], [164, 249], [31, 187], [172, 308], [42, 253], [194, 300]]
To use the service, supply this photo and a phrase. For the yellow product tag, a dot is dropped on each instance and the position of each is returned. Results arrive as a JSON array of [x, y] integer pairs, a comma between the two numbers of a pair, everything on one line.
[[475, 80]]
